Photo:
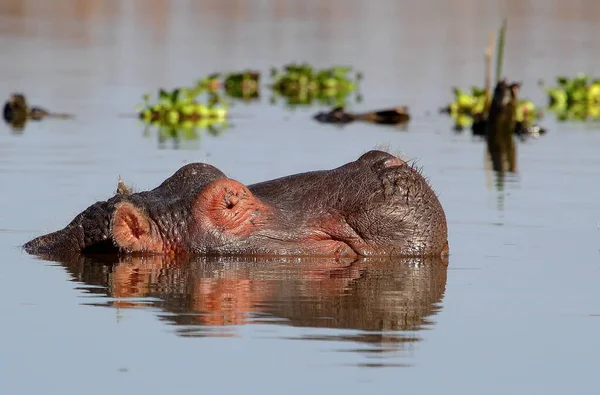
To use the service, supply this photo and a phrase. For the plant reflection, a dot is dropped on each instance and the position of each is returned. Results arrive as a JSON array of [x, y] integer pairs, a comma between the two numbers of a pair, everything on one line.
[[380, 303], [184, 136]]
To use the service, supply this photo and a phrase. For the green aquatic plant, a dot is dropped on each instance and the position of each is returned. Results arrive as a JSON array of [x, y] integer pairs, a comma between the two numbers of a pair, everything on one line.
[[467, 105], [181, 106], [244, 85], [500, 50], [211, 83], [575, 99], [301, 84], [297, 84]]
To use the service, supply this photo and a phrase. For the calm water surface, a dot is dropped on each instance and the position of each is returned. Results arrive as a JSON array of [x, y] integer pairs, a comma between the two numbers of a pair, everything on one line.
[[516, 311]]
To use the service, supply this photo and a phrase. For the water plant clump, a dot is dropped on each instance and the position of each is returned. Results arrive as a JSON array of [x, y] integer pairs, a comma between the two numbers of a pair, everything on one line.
[[471, 109], [575, 99], [302, 84], [244, 85], [181, 106], [467, 105], [211, 83]]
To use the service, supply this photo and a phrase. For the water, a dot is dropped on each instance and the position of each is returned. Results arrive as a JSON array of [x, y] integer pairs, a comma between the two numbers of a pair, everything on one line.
[[515, 312]]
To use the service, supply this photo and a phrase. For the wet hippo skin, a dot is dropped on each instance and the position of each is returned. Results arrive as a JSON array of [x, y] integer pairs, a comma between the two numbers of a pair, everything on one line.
[[376, 205]]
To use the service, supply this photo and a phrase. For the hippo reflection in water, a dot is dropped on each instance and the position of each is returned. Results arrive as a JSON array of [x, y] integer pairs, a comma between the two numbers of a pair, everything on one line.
[[210, 296], [376, 205]]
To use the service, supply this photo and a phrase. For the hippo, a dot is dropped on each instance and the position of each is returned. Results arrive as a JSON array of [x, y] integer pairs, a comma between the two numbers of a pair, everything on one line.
[[377, 205]]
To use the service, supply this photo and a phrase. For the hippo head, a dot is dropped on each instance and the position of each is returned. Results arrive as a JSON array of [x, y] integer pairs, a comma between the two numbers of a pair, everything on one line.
[[376, 205]]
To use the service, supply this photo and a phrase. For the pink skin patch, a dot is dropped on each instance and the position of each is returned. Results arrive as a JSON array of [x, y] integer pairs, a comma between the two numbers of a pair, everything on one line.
[[132, 230], [394, 162]]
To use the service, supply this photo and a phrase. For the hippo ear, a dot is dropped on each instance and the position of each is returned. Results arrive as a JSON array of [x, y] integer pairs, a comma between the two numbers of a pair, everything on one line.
[[132, 230], [230, 207]]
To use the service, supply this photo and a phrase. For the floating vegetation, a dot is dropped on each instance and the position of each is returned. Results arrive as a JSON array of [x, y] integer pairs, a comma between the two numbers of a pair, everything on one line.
[[575, 99], [211, 84], [180, 108], [179, 116], [471, 109], [302, 85], [243, 85], [468, 105], [297, 84], [504, 117]]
